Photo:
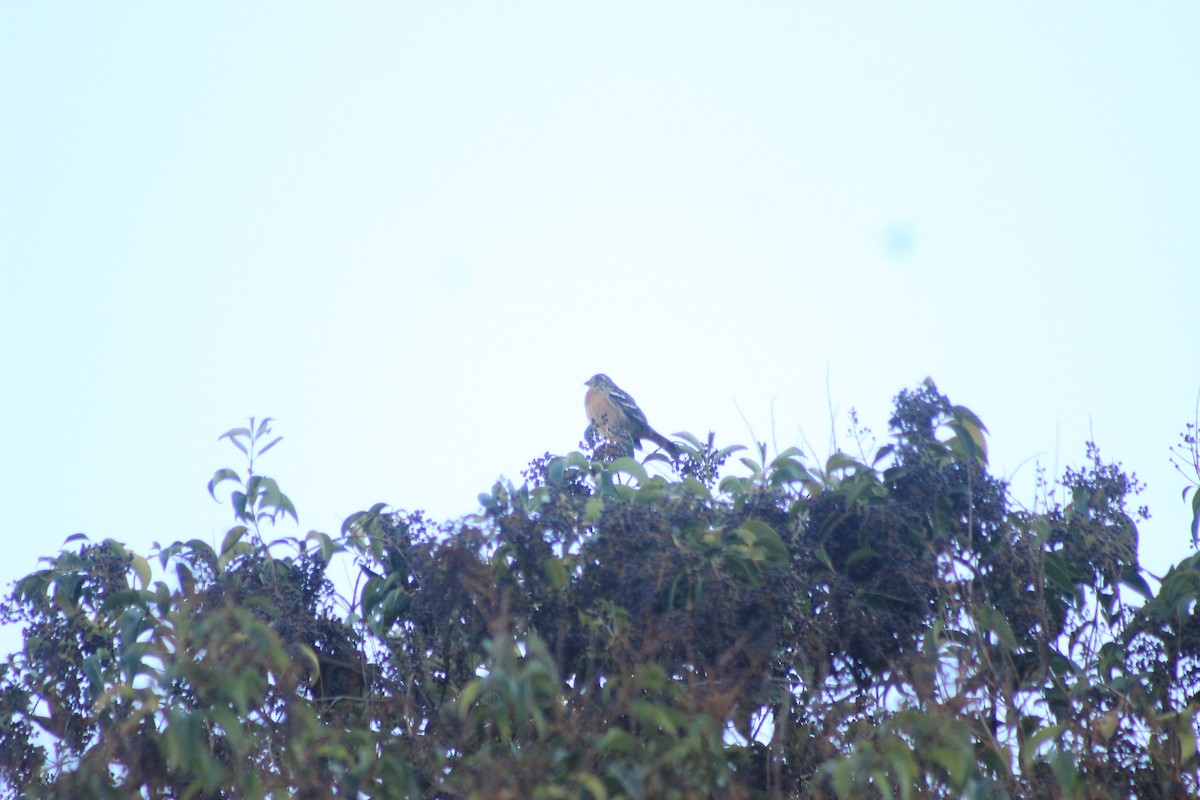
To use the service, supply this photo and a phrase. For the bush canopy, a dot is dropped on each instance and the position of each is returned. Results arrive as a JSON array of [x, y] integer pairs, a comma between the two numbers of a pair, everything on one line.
[[889, 624]]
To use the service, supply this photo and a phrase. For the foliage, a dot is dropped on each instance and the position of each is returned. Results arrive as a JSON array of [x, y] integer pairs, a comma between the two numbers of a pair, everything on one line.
[[886, 625]]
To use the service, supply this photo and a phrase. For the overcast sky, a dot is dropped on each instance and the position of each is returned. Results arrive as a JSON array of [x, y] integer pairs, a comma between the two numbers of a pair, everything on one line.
[[410, 231]]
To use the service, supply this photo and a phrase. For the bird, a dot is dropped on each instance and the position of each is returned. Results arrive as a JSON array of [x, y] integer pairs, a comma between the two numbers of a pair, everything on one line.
[[615, 416]]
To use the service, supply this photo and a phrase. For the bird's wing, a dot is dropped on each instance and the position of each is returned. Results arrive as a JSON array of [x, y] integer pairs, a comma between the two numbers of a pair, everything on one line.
[[630, 407]]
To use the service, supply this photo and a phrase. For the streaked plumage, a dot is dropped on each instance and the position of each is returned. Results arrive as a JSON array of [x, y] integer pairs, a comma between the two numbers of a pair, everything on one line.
[[615, 416]]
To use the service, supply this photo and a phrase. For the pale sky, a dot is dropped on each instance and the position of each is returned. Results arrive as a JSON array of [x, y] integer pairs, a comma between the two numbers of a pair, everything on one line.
[[409, 232]]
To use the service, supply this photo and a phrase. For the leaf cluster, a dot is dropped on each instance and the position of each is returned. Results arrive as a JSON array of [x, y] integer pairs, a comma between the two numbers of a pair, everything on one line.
[[883, 625]]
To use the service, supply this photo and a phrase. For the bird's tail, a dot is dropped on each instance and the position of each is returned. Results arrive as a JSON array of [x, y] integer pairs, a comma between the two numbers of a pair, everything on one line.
[[663, 442]]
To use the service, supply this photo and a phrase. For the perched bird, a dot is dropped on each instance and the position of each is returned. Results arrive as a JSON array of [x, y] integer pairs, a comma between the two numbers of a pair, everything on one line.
[[615, 416]]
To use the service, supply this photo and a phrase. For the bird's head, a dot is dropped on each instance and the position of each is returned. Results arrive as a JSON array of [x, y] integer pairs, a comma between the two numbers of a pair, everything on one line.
[[599, 381]]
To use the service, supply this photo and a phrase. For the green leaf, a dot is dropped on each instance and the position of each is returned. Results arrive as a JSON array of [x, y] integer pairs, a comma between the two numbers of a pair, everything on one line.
[[592, 784], [1106, 725], [287, 509], [162, 597], [1186, 728], [992, 620], [997, 758], [1030, 747], [763, 535], [865, 553], [1059, 573], [131, 660], [129, 626], [967, 441], [219, 477], [731, 485], [968, 416], [326, 544], [752, 465], [91, 671], [187, 581], [202, 549], [236, 435], [696, 489], [1132, 578], [141, 568], [556, 573], [882, 453], [255, 487], [184, 737], [630, 466], [236, 549], [951, 760], [310, 659], [843, 777], [232, 537], [842, 461], [823, 556], [616, 740], [1196, 517], [238, 499], [882, 784], [469, 694], [263, 428], [788, 471]]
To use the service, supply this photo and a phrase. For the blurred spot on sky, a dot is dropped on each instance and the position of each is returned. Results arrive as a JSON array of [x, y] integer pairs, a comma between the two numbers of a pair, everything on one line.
[[899, 241]]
